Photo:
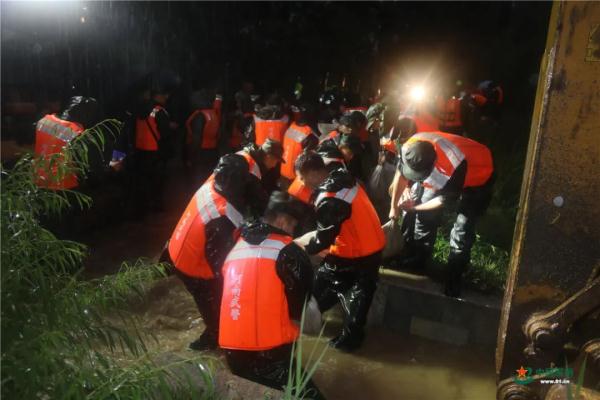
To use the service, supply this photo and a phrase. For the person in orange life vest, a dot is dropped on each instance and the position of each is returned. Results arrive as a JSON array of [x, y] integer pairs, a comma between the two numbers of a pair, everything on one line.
[[451, 115], [267, 280], [270, 122], [54, 133], [242, 121], [263, 163], [203, 237], [360, 122], [444, 169], [345, 126], [153, 131], [348, 227], [202, 135], [333, 158], [300, 136]]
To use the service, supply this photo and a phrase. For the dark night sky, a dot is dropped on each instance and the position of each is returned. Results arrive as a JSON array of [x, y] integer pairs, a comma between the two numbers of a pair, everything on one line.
[[102, 47]]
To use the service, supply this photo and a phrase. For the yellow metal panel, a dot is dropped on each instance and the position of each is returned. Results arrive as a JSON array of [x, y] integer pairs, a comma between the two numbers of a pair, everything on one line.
[[557, 236]]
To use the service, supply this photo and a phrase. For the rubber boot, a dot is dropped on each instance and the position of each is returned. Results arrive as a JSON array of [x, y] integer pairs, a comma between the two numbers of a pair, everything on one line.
[[206, 341], [454, 273]]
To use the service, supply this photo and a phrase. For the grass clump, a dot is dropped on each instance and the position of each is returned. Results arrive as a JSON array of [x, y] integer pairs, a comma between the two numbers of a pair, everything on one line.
[[489, 264], [57, 341]]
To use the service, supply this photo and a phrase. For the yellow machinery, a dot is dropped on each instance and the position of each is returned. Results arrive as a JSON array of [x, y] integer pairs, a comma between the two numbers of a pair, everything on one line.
[[550, 316]]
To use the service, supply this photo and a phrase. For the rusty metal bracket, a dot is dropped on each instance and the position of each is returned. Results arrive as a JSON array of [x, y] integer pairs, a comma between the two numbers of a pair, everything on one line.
[[546, 332]]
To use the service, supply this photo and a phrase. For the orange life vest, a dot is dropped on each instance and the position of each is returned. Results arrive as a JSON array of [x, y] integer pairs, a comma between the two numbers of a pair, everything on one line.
[[253, 166], [235, 141], [254, 307], [388, 144], [269, 129], [187, 244], [300, 191], [424, 121], [334, 134], [450, 116], [52, 134], [361, 234], [450, 151], [146, 131], [292, 147], [210, 134]]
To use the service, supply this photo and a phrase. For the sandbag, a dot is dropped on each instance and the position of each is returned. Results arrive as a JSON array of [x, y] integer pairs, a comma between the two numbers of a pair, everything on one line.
[[313, 320], [394, 241], [378, 188]]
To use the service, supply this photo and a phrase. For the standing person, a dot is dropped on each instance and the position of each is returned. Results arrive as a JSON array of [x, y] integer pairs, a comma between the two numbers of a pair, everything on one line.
[[270, 122], [450, 115], [350, 231], [202, 134], [443, 168], [54, 132], [153, 133], [299, 137], [203, 237], [267, 280]]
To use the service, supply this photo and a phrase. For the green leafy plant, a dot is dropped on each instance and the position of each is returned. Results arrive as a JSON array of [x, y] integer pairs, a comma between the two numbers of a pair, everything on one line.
[[63, 337], [489, 264], [577, 395], [299, 375]]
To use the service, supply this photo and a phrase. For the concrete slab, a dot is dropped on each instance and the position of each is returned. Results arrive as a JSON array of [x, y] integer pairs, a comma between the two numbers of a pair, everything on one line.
[[414, 304]]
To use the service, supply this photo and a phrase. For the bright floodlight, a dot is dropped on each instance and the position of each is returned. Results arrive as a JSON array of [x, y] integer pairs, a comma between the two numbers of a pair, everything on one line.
[[417, 93]]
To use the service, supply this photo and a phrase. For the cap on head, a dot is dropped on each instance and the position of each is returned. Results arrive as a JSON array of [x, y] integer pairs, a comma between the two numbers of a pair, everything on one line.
[[273, 148], [417, 160]]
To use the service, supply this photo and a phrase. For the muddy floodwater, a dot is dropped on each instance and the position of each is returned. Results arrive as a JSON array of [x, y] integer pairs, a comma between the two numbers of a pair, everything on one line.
[[388, 366]]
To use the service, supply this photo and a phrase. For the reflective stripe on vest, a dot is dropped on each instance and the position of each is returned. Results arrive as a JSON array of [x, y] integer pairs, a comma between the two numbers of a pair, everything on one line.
[[254, 309], [269, 129], [451, 150], [252, 164], [268, 248], [51, 125], [292, 148], [329, 160], [346, 194], [52, 134], [361, 234], [188, 241]]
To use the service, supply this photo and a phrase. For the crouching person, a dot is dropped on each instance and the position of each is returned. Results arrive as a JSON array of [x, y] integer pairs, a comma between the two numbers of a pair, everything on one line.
[[203, 237], [348, 229], [267, 279]]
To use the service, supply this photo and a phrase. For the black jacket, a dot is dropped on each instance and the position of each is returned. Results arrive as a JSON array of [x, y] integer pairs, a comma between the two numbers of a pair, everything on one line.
[[293, 266], [259, 190], [331, 214], [220, 239]]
